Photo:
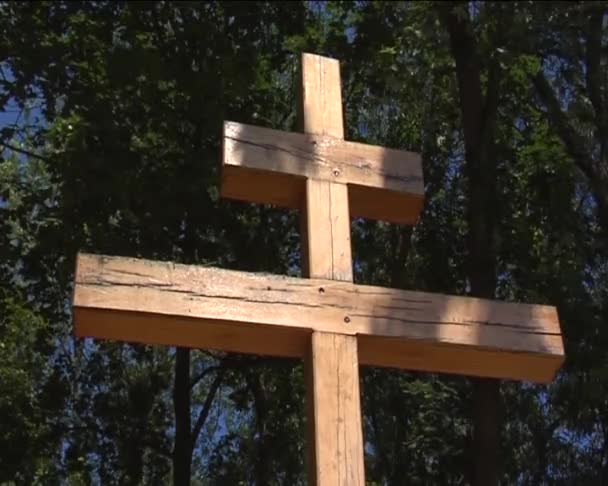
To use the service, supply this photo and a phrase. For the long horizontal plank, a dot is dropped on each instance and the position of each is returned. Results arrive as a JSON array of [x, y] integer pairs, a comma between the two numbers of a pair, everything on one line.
[[204, 307], [270, 166]]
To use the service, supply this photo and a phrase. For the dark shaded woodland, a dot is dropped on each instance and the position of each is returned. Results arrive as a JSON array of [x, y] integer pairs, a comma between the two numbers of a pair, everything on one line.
[[110, 134]]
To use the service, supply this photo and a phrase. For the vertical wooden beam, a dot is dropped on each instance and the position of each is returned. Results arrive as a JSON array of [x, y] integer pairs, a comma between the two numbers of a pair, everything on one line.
[[321, 96], [327, 222], [334, 411], [332, 365], [326, 219]]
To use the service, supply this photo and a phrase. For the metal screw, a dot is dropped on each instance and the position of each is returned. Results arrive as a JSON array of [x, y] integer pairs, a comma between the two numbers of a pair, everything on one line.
[[336, 172], [347, 319]]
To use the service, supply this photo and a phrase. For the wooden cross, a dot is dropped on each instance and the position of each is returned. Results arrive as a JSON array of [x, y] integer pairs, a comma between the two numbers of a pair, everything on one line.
[[325, 319]]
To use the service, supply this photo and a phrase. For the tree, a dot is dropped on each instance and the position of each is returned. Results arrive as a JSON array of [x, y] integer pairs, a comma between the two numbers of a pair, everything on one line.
[[479, 107], [114, 148], [575, 63]]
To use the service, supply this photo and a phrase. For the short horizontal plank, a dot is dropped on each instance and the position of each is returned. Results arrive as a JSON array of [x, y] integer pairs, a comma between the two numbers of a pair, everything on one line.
[[270, 166], [165, 303]]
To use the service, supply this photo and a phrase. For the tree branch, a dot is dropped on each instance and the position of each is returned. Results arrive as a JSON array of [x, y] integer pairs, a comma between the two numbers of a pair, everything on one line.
[[573, 142], [594, 171], [204, 413], [204, 373], [24, 152]]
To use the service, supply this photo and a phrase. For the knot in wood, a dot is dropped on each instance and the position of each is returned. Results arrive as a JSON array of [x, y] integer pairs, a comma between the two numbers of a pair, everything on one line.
[[347, 319], [321, 290]]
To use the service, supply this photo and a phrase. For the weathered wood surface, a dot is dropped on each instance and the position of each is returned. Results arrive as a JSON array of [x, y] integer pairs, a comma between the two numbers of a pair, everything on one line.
[[320, 102], [335, 431], [411, 330], [271, 166], [333, 399], [326, 232]]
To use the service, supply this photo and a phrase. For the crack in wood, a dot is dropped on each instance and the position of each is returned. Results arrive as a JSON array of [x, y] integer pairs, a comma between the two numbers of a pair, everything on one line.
[[388, 294], [398, 308], [131, 273], [526, 329], [200, 294], [313, 157], [516, 328]]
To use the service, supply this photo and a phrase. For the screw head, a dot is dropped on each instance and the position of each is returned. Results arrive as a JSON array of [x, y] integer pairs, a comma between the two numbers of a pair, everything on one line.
[[347, 319]]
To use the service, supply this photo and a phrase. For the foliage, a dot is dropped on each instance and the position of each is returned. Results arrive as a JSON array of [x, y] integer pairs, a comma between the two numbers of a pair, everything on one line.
[[111, 123]]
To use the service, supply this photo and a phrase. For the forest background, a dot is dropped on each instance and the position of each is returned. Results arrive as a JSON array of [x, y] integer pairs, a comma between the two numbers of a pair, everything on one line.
[[110, 136]]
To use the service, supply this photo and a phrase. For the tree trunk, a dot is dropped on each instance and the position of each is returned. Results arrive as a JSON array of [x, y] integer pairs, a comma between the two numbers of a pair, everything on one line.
[[182, 450], [478, 113], [262, 469]]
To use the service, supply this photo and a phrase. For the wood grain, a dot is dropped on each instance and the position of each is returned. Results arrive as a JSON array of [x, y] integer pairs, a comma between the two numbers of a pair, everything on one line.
[[320, 107], [327, 232], [335, 433], [456, 334], [334, 415], [271, 166]]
